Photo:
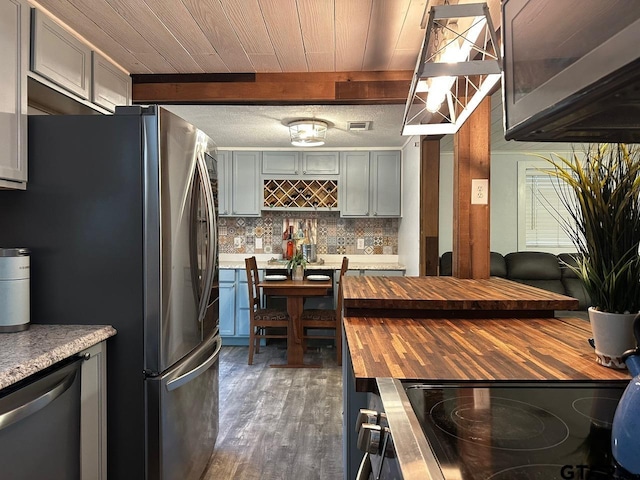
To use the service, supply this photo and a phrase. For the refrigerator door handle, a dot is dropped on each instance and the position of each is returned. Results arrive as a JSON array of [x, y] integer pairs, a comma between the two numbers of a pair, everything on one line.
[[203, 175], [190, 375], [202, 196]]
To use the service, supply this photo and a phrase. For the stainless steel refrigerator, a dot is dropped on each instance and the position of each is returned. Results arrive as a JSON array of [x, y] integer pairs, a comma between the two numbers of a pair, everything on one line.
[[120, 218]]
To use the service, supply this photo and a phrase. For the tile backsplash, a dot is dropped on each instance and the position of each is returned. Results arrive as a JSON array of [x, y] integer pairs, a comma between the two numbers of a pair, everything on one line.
[[335, 235]]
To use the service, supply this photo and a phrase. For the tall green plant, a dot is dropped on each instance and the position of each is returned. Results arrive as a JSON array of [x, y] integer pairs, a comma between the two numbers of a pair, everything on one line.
[[602, 195]]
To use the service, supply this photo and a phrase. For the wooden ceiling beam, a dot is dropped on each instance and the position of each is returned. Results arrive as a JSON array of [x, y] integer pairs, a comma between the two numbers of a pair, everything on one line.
[[274, 88]]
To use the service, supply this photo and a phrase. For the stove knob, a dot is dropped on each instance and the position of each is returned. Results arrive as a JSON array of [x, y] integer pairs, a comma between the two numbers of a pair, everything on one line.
[[370, 438], [366, 417]]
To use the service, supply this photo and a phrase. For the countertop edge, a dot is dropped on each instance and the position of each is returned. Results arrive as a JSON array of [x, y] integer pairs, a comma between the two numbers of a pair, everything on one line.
[[14, 369]]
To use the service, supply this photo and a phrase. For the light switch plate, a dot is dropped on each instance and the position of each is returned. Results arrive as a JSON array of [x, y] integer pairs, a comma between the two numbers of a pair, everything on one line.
[[479, 191], [360, 244], [258, 242]]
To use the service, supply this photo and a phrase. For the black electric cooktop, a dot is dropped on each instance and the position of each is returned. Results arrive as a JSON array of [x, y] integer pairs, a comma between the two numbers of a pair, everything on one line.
[[545, 432]]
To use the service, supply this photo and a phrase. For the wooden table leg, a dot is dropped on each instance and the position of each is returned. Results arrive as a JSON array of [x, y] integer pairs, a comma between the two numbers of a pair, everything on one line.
[[295, 353]]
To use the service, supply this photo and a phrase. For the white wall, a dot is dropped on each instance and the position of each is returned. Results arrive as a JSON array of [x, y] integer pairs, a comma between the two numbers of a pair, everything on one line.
[[503, 187], [409, 226]]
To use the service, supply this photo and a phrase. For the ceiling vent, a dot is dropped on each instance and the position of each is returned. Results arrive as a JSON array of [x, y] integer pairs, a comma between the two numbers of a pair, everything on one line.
[[358, 126]]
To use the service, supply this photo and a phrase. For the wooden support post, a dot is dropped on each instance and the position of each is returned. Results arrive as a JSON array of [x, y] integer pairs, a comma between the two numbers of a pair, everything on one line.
[[472, 159], [429, 205]]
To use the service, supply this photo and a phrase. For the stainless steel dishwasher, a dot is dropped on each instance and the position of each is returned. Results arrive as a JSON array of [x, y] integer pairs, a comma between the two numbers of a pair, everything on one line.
[[40, 425]]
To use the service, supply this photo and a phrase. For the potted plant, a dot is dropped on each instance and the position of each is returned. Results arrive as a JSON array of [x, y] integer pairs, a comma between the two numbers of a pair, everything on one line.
[[600, 187], [296, 266]]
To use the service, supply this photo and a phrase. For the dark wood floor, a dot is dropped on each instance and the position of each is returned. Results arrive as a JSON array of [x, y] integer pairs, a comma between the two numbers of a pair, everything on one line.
[[278, 423]]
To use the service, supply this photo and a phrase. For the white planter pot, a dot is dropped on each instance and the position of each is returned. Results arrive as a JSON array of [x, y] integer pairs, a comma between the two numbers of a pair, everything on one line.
[[612, 335]]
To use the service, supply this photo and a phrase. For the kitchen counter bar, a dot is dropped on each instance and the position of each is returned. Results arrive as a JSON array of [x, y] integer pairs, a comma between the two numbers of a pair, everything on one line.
[[28, 352], [442, 297], [461, 350]]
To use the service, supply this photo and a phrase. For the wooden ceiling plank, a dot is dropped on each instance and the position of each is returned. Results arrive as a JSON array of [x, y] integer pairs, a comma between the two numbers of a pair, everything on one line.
[[94, 26], [265, 63], [212, 21], [281, 20], [384, 30], [138, 14], [352, 28], [405, 54], [321, 61], [403, 59], [245, 16], [317, 22], [180, 21]]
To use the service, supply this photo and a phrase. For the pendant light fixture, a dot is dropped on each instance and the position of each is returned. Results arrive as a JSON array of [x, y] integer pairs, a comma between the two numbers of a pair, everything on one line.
[[308, 132], [458, 65]]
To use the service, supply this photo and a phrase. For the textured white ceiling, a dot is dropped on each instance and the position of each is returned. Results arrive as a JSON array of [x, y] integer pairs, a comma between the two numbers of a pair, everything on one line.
[[263, 127]]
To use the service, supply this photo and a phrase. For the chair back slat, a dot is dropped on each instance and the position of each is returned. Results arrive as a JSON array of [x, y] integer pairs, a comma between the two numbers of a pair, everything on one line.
[[251, 266], [343, 270]]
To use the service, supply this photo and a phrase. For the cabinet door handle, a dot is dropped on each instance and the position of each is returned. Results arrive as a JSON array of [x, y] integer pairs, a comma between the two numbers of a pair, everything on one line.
[[304, 172]]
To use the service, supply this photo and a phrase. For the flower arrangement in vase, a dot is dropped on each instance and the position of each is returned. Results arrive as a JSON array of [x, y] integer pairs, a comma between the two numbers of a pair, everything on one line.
[[296, 266]]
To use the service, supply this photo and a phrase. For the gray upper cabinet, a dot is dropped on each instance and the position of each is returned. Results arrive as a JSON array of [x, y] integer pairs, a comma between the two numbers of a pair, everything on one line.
[[14, 61], [354, 186], [224, 183], [276, 165], [386, 184], [246, 190], [320, 163], [370, 184], [111, 86], [59, 56]]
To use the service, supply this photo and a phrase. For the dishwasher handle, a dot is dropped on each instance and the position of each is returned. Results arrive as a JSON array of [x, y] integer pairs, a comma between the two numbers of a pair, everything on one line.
[[37, 403]]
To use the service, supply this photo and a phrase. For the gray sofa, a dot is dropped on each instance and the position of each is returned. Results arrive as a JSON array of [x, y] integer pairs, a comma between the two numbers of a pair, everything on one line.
[[538, 269]]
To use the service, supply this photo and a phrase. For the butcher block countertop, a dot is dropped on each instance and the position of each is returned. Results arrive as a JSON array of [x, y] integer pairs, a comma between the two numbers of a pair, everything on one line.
[[458, 350], [437, 297]]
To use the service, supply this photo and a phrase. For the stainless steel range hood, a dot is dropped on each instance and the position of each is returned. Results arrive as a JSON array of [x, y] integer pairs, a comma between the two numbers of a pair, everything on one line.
[[571, 70]]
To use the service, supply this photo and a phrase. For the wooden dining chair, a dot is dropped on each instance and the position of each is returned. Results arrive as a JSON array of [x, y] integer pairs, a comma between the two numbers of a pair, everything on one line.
[[261, 319], [326, 319]]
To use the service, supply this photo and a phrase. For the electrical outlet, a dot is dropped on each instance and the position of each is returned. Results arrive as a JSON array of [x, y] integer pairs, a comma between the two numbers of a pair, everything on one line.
[[258, 242], [360, 244], [479, 191], [237, 242]]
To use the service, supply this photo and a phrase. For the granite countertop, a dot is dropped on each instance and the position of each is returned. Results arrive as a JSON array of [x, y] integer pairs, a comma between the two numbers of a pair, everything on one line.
[[25, 353], [326, 262]]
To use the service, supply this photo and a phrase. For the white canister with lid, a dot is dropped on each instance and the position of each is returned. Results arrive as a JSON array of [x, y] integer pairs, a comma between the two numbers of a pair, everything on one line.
[[14, 289]]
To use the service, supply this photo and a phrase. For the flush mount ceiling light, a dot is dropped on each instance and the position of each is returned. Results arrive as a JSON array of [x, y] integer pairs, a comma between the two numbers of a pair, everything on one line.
[[308, 133], [458, 65]]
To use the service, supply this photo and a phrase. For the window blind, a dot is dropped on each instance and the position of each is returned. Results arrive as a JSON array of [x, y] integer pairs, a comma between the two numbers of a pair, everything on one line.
[[545, 212]]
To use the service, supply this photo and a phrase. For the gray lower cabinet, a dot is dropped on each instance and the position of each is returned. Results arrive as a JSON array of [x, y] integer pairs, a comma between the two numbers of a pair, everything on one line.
[[14, 61], [59, 56], [240, 189], [370, 184], [93, 413], [110, 85]]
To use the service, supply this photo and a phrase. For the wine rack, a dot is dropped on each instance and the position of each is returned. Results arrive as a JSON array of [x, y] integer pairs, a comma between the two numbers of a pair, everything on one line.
[[308, 194]]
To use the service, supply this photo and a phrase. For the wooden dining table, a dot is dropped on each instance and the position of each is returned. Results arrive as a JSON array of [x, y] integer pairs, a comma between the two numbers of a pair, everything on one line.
[[295, 291]]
